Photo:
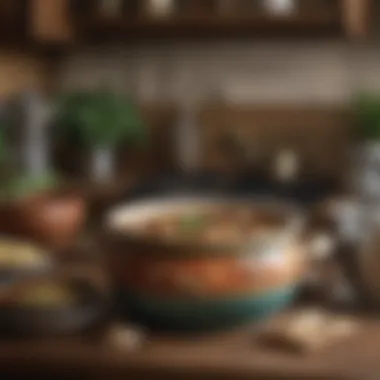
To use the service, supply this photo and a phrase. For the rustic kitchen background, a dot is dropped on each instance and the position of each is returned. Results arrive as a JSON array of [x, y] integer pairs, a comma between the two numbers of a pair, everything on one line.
[[256, 96], [316, 60]]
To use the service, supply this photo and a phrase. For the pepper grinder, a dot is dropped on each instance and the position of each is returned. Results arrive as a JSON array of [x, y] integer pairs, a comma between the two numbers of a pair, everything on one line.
[[280, 7], [111, 8], [187, 138], [286, 165], [39, 114], [160, 8]]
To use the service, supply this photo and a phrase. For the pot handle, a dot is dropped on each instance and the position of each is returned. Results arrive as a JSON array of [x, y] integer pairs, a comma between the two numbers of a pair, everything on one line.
[[347, 285], [321, 246]]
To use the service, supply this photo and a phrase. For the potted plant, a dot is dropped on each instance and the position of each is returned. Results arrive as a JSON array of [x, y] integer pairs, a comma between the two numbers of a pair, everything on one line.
[[367, 118], [100, 121], [36, 205]]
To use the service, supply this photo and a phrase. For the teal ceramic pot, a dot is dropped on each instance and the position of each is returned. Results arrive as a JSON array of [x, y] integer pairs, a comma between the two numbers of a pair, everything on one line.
[[188, 286], [201, 314]]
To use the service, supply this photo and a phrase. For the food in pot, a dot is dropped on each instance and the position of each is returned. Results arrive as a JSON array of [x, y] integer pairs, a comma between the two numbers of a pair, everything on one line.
[[198, 263], [16, 255], [219, 225]]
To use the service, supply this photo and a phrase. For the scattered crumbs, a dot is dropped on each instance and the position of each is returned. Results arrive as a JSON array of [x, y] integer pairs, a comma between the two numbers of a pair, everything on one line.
[[125, 337], [308, 330]]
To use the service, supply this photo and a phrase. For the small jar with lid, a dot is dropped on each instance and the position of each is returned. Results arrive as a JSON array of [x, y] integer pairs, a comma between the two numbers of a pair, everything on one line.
[[160, 8], [118, 8], [279, 7], [110, 8]]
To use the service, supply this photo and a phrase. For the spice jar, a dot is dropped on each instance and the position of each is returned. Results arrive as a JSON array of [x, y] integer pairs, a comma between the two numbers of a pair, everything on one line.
[[160, 8], [279, 7]]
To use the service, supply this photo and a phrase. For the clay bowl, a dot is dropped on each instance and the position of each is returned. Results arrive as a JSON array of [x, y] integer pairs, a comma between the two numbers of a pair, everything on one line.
[[170, 284], [52, 219]]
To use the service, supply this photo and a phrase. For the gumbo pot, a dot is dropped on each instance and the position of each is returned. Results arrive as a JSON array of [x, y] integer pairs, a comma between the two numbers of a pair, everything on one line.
[[177, 284]]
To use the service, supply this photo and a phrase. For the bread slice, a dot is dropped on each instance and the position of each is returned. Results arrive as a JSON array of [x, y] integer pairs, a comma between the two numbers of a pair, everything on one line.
[[307, 330]]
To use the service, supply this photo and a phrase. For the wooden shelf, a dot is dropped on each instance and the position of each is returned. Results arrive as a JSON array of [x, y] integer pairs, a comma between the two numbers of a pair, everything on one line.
[[205, 26], [61, 23]]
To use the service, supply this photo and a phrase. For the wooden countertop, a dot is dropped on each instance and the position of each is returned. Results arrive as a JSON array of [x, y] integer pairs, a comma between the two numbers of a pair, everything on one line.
[[230, 355]]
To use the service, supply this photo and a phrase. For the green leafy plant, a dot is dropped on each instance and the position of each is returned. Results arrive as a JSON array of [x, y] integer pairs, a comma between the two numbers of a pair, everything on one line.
[[100, 119], [367, 115]]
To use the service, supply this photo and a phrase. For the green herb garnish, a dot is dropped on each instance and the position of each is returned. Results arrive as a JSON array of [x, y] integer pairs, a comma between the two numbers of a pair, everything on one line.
[[192, 223]]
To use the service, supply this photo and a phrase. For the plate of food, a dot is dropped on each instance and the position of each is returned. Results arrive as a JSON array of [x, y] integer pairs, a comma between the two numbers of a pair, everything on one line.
[[46, 306], [20, 259]]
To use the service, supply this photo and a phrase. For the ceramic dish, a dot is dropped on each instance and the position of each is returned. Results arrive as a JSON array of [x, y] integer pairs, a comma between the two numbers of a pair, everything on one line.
[[171, 281], [46, 308], [20, 260]]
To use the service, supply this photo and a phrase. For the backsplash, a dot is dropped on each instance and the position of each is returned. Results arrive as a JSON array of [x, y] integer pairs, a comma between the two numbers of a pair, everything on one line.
[[241, 138], [241, 72], [261, 77]]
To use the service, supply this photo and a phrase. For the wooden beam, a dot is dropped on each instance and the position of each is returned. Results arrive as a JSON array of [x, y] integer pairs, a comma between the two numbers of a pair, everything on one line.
[[51, 21], [19, 72], [356, 18]]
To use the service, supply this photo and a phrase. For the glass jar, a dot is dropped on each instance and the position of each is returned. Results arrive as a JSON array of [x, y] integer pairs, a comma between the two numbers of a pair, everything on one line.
[[160, 8], [280, 7], [110, 8]]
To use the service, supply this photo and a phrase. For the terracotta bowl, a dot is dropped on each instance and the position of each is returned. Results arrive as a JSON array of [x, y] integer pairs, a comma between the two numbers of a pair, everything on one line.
[[174, 285], [51, 219]]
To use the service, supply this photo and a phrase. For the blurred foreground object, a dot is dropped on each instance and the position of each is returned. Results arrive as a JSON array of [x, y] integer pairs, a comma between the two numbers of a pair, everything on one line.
[[20, 260], [51, 306], [308, 330], [125, 337]]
